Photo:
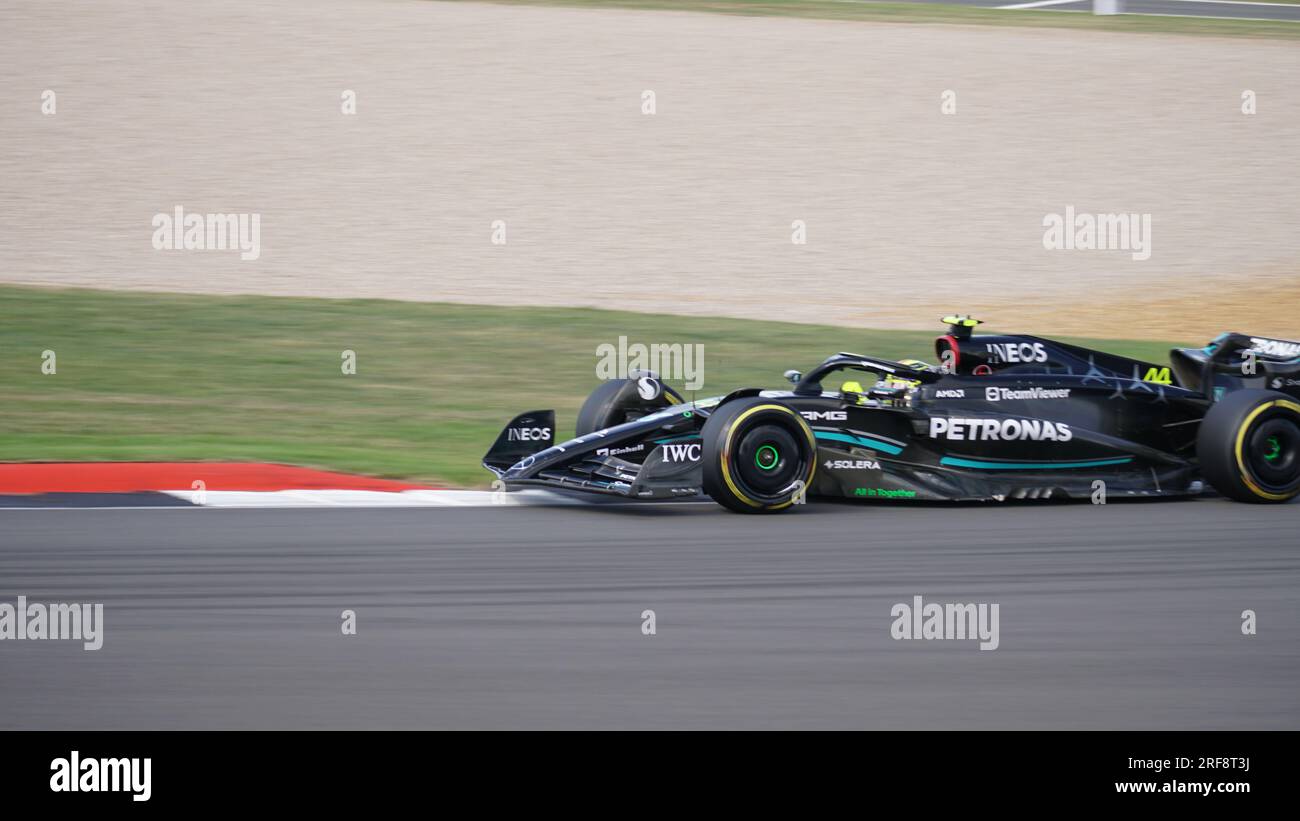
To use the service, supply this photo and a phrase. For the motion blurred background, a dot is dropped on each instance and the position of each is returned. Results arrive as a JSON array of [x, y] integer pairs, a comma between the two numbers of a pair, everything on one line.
[[528, 122], [533, 117]]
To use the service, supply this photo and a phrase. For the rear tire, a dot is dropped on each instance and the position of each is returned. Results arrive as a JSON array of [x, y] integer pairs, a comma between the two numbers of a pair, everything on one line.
[[759, 455], [1249, 446]]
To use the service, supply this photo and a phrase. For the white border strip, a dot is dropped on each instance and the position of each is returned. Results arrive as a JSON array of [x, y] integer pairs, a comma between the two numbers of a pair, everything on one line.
[[532, 497], [1238, 3], [347, 498], [1212, 16], [1041, 3], [342, 499]]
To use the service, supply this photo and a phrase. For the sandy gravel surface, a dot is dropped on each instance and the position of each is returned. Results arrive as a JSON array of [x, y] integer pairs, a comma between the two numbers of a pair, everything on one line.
[[473, 113]]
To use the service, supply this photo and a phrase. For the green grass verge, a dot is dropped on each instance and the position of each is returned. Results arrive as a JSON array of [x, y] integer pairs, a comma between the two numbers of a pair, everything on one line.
[[144, 376], [939, 13]]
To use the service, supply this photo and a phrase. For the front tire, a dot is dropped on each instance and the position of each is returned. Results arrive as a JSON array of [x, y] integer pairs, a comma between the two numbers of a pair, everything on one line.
[[1249, 446], [622, 400], [759, 456]]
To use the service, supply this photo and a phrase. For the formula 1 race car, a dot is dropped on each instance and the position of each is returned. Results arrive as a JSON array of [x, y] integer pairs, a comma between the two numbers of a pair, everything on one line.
[[1000, 417]]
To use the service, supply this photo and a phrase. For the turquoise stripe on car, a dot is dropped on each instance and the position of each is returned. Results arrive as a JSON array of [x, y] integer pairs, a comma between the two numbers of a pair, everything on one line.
[[874, 444], [956, 462]]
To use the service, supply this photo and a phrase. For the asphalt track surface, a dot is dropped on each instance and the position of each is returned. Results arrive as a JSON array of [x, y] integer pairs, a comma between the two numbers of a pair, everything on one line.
[[1118, 616]]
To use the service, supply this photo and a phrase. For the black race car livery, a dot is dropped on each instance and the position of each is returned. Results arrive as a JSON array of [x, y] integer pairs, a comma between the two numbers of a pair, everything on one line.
[[999, 417]]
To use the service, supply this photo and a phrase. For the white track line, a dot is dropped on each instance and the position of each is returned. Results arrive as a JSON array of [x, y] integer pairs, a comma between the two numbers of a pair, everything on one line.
[[306, 496], [1040, 3], [1239, 3], [1044, 3], [65, 508], [342, 499], [369, 498], [1212, 16]]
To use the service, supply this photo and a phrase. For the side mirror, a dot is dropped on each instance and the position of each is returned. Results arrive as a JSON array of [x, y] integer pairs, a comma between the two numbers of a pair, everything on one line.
[[793, 376]]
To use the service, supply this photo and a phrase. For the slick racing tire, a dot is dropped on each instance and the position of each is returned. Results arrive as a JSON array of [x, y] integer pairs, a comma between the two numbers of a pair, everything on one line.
[[621, 400], [759, 456], [1249, 446]]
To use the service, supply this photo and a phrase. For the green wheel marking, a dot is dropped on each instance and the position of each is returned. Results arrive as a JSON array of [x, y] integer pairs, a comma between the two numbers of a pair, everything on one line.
[[758, 457], [1272, 449]]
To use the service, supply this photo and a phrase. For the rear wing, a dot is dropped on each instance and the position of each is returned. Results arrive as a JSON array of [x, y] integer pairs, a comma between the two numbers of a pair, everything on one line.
[[1273, 350], [1235, 360]]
